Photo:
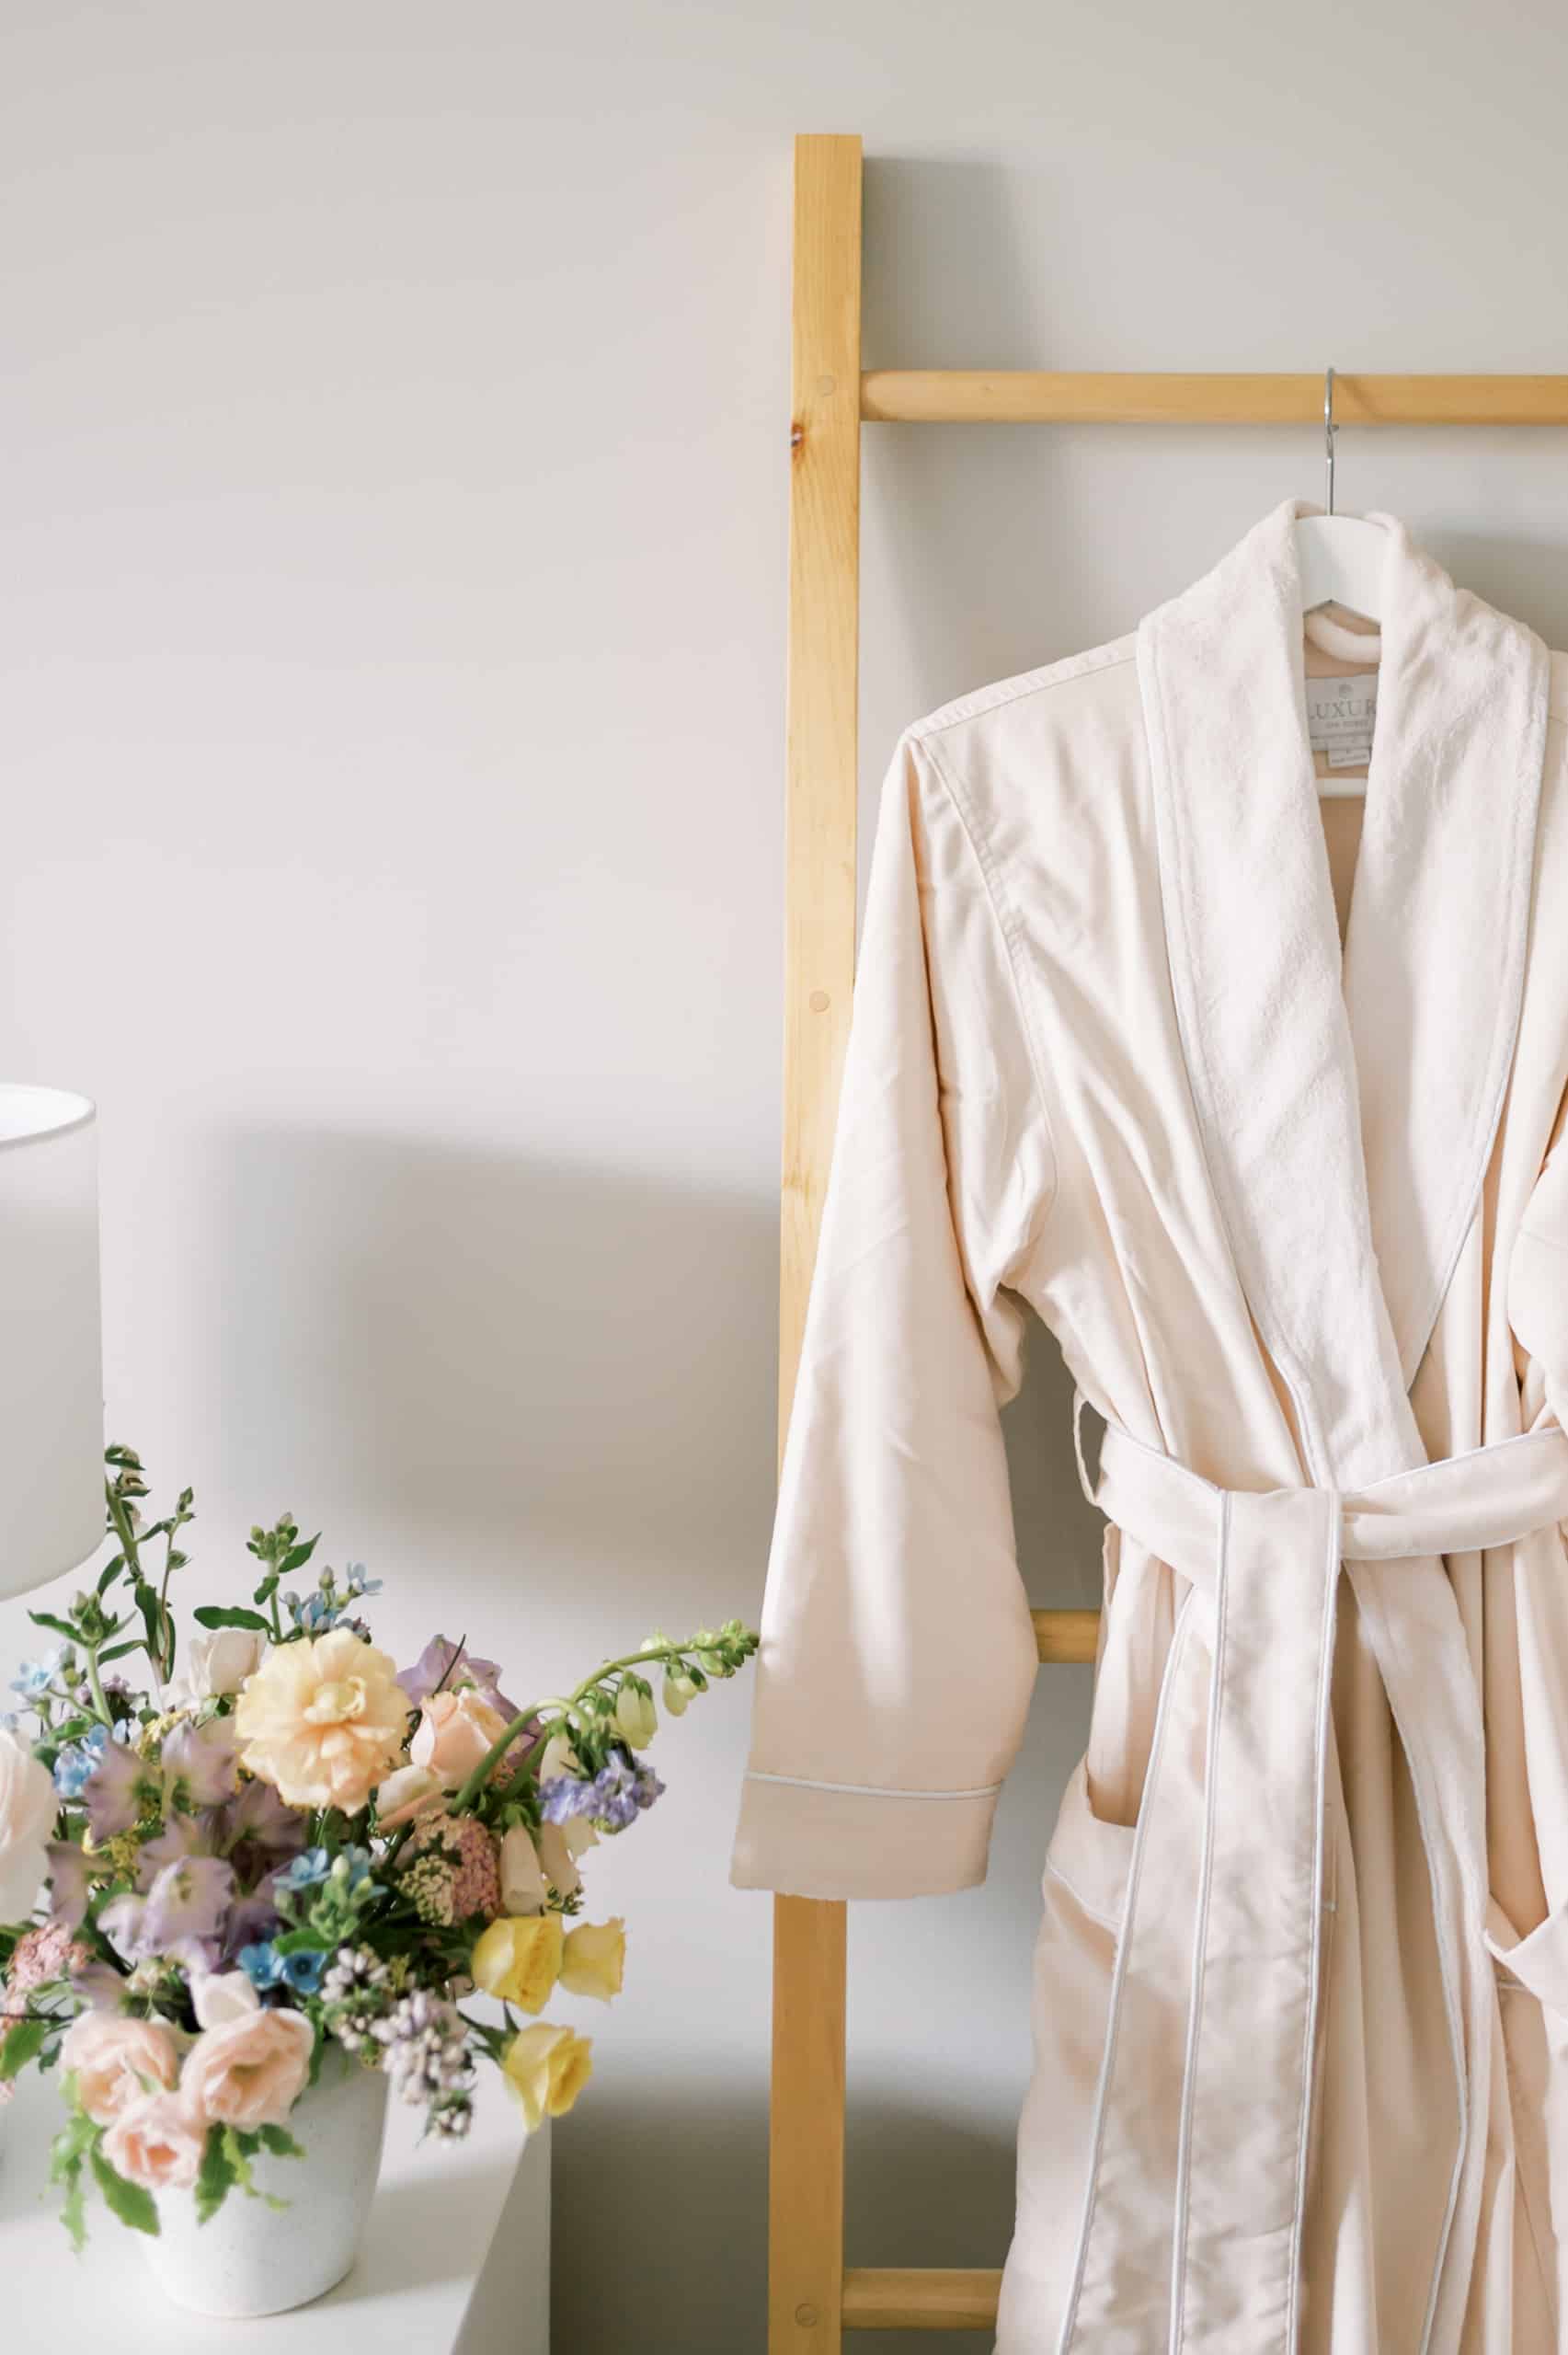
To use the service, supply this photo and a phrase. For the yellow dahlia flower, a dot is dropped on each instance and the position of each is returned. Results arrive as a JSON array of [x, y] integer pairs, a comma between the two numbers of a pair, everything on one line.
[[323, 1720]]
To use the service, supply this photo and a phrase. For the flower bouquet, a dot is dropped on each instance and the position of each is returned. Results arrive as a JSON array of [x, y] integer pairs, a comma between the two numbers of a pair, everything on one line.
[[229, 1865]]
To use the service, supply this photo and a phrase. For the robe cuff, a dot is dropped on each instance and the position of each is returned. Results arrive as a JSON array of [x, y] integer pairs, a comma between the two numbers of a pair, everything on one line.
[[829, 1840]]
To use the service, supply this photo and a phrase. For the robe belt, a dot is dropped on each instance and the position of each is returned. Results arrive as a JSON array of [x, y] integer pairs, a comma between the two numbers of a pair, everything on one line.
[[1191, 2235]]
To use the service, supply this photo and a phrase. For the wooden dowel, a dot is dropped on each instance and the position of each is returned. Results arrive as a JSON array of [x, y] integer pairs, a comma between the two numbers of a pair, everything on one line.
[[920, 2298], [1066, 1638], [1038, 396]]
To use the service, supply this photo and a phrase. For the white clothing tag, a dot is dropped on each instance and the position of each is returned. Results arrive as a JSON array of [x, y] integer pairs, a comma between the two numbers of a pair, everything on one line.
[[1341, 714]]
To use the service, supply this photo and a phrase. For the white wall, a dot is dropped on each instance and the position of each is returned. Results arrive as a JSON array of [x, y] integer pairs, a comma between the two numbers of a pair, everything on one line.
[[393, 418]]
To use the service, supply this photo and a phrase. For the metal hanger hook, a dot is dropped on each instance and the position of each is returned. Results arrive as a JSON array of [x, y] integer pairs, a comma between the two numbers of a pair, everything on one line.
[[1330, 429]]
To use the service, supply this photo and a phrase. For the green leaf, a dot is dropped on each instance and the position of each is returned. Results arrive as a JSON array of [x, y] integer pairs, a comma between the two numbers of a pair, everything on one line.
[[303, 1942], [147, 1604], [73, 2207], [109, 1572], [20, 2045], [118, 1651], [127, 2201], [238, 2150], [217, 2177], [280, 2142], [59, 1626], [74, 2138], [216, 1615], [298, 1556]]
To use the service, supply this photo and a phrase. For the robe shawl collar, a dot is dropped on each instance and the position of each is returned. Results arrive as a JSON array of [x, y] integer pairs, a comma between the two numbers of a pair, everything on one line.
[[1349, 1106]]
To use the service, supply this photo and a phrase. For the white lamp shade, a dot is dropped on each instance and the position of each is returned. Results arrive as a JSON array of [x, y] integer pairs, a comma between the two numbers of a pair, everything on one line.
[[51, 1433]]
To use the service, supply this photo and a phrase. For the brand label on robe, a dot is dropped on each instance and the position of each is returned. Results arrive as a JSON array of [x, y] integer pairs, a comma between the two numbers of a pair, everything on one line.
[[1341, 714]]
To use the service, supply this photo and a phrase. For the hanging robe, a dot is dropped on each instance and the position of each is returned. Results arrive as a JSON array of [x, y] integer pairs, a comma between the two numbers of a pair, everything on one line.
[[1269, 1132]]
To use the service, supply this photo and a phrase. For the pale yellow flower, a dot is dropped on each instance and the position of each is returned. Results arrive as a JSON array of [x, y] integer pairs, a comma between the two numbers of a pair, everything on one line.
[[635, 1718], [547, 2067], [323, 1720], [520, 1959], [523, 1887], [593, 1958]]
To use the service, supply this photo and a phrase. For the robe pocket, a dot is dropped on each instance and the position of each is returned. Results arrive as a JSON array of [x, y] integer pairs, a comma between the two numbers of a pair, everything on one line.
[[1538, 1275], [1091, 1855], [1538, 1961]]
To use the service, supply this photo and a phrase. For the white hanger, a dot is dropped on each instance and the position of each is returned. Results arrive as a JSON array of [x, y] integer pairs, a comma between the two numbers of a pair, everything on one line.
[[1339, 561]]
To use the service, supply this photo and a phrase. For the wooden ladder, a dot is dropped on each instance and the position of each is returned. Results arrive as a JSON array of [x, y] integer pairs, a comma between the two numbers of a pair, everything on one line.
[[813, 2298]]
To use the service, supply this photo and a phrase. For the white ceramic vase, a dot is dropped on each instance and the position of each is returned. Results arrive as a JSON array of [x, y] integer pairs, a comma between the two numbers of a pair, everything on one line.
[[251, 2259]]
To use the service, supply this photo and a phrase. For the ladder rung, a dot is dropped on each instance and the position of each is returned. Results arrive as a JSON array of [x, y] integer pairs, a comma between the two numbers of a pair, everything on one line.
[[908, 2297], [1128, 396], [1064, 1636]]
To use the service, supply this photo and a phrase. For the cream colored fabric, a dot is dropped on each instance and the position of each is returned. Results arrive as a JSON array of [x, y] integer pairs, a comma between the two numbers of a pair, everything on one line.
[[1298, 1216]]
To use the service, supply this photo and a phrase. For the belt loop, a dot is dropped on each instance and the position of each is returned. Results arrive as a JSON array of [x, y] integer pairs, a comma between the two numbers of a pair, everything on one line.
[[1079, 1403]]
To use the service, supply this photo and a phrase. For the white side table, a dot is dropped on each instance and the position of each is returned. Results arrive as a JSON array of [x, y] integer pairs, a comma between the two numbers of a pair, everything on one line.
[[456, 2260]]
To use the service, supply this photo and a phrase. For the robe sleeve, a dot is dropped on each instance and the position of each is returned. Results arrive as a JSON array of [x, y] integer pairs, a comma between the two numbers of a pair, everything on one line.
[[897, 1655]]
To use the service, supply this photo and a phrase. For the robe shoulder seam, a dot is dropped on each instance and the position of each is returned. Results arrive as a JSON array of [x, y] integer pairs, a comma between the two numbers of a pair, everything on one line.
[[1008, 929], [974, 704]]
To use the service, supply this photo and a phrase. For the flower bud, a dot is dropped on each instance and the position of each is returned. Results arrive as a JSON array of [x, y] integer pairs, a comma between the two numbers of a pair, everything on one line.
[[637, 1720]]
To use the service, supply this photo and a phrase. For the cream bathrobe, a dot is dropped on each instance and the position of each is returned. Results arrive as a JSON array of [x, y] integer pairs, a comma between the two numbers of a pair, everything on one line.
[[1282, 1166]]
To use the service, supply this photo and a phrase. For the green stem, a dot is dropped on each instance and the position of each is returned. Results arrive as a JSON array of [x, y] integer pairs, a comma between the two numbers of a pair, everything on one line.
[[95, 1681], [519, 1724]]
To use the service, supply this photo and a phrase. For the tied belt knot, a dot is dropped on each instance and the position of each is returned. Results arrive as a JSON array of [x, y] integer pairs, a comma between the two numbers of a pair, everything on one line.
[[1191, 2232]]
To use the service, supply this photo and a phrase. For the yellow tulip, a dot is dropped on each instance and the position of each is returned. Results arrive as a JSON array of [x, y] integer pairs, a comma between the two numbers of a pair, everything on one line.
[[547, 2067], [520, 1959], [593, 1958]]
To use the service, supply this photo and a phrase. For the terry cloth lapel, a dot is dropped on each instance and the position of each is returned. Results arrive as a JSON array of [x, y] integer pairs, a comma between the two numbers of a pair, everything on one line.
[[1347, 1108]]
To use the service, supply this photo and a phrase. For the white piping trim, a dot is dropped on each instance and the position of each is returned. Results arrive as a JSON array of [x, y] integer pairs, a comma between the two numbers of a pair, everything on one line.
[[870, 1790], [1069, 2337], [1181, 2216]]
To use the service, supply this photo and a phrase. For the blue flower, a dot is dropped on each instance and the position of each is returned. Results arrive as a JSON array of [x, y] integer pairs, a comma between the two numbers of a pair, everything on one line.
[[35, 1676], [359, 1583], [262, 1965], [312, 1866], [357, 1861], [77, 1761], [302, 1971]]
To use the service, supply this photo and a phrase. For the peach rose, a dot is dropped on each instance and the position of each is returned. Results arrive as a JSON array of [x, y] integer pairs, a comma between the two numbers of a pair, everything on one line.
[[113, 2060], [408, 1793], [455, 1731], [219, 1995], [547, 2067], [323, 1720], [248, 2071], [156, 2142]]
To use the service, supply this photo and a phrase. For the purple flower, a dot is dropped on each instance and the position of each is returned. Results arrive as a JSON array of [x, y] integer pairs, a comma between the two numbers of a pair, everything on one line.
[[204, 1761], [67, 1883], [121, 1921], [252, 1920], [443, 1665], [258, 1827], [616, 1797], [182, 1836], [112, 1792], [189, 1900], [100, 1984], [563, 1797]]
